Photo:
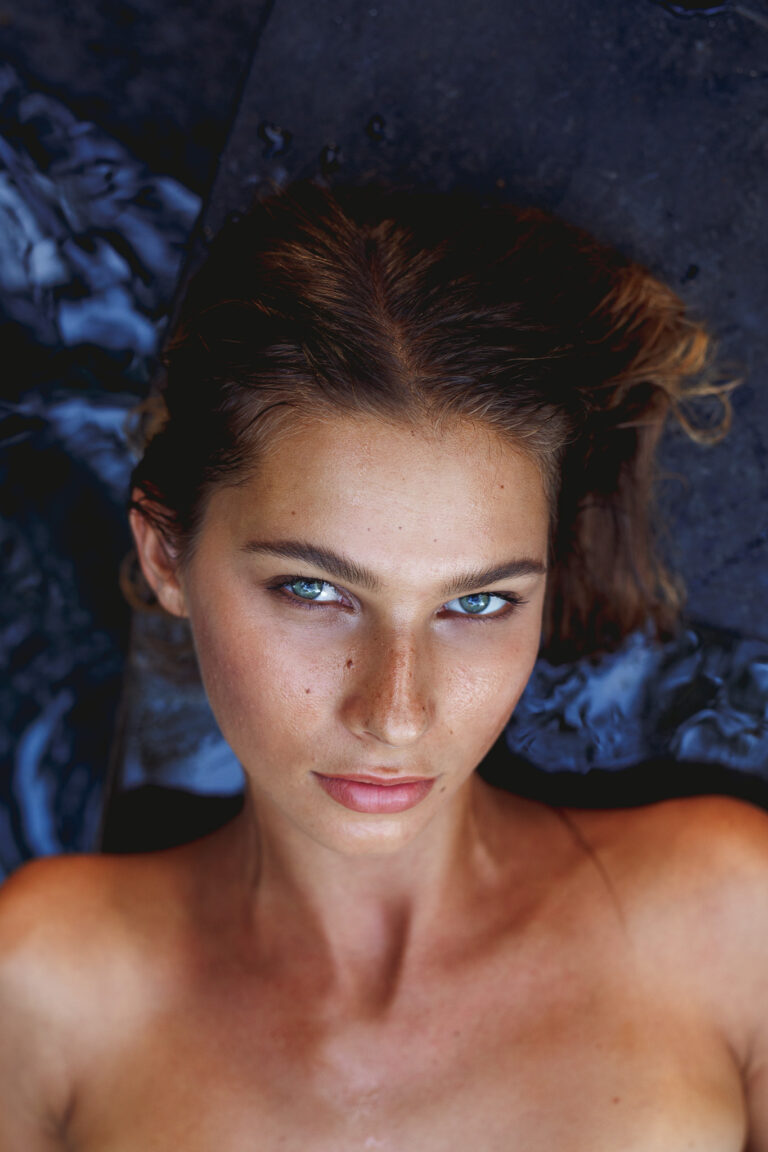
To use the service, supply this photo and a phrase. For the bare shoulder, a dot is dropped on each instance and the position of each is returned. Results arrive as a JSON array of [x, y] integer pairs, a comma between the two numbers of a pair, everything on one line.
[[45, 926], [51, 899], [75, 945], [680, 848], [699, 859], [49, 915], [86, 919], [65, 922], [691, 876]]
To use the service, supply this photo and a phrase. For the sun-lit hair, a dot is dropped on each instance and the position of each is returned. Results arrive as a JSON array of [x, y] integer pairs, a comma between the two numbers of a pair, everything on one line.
[[430, 307]]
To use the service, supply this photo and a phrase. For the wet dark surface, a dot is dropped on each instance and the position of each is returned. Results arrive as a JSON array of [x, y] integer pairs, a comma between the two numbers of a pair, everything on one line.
[[646, 125]]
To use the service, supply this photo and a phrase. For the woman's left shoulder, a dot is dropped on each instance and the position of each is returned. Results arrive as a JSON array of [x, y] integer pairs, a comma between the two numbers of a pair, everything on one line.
[[691, 876], [723, 832], [702, 858], [691, 843]]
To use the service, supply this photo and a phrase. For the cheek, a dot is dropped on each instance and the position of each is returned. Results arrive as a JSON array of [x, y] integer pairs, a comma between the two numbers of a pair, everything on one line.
[[483, 683], [493, 683], [264, 682]]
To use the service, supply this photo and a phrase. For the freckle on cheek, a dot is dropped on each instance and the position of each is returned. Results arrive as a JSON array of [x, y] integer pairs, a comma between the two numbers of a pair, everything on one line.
[[307, 690]]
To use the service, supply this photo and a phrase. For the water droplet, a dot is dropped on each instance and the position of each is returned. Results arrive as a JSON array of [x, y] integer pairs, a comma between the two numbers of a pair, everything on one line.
[[375, 128], [330, 159], [276, 140]]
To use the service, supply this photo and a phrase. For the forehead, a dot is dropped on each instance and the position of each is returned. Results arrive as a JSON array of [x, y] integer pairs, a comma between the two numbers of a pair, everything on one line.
[[388, 493]]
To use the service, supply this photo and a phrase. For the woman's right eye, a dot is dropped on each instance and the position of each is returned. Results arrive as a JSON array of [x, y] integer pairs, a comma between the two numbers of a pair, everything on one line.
[[311, 591]]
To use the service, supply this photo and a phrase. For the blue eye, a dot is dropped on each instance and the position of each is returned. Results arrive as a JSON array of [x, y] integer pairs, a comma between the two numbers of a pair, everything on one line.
[[307, 591], [479, 602], [313, 590]]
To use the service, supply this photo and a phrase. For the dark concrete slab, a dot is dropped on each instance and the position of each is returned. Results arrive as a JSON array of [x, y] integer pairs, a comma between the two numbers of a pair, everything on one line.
[[163, 78], [649, 129]]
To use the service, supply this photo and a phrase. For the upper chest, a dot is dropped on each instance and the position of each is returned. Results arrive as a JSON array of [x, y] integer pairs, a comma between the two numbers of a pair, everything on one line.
[[562, 1044]]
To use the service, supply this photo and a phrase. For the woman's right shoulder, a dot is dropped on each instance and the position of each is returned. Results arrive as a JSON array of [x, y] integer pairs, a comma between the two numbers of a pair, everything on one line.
[[88, 954], [60, 931], [59, 940], [48, 907], [73, 917], [80, 934]]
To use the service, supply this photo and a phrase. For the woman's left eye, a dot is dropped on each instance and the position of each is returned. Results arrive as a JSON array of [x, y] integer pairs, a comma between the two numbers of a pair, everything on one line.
[[482, 604]]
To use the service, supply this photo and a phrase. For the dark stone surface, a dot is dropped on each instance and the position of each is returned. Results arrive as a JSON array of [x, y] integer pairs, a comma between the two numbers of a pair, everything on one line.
[[163, 78], [647, 128]]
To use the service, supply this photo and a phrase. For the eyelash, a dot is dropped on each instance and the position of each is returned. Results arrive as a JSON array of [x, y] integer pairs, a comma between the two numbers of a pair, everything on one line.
[[280, 588]]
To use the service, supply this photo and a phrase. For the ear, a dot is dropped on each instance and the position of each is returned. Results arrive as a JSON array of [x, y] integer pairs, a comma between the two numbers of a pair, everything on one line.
[[158, 563]]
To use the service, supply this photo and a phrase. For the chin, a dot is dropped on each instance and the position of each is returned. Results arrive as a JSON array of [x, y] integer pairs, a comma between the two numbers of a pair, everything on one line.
[[356, 835]]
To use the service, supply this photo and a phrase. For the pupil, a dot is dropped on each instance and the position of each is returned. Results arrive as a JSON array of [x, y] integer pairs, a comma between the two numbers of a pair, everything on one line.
[[475, 603], [309, 589]]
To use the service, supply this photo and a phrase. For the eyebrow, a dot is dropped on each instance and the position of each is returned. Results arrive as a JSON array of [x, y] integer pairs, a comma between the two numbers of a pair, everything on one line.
[[343, 568]]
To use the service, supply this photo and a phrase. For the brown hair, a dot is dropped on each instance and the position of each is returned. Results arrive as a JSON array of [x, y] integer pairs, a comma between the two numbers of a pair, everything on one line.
[[419, 306]]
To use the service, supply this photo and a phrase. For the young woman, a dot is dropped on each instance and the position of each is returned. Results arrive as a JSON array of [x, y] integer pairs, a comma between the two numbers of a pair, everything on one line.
[[406, 442]]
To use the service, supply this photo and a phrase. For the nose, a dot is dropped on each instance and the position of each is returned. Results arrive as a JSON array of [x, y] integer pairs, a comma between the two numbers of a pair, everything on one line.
[[389, 697]]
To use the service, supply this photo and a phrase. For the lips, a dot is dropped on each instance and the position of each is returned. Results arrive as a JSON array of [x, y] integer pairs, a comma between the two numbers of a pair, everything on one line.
[[380, 781], [376, 794]]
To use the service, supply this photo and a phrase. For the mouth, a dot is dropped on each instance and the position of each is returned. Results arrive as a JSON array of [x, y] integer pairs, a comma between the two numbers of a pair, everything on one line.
[[362, 792]]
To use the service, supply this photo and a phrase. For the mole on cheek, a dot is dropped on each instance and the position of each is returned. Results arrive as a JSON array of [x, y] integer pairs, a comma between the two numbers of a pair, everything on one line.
[[307, 690], [350, 663]]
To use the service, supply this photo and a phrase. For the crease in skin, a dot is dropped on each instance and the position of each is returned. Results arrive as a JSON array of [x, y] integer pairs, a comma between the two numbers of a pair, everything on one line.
[[60, 1126], [583, 843]]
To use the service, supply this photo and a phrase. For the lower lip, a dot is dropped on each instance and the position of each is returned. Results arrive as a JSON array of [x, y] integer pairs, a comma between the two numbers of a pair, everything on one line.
[[362, 797]]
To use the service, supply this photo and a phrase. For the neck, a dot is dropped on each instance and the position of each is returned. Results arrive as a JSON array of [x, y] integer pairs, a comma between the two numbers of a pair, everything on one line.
[[364, 920]]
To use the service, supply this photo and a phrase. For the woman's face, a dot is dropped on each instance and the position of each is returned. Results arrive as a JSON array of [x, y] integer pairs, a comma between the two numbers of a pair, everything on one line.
[[368, 604]]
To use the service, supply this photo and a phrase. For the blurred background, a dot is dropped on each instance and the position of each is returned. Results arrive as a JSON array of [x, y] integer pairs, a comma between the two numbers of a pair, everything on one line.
[[129, 131]]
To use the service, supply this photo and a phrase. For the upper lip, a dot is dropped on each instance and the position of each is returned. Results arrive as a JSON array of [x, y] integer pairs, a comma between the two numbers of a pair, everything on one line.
[[367, 778]]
